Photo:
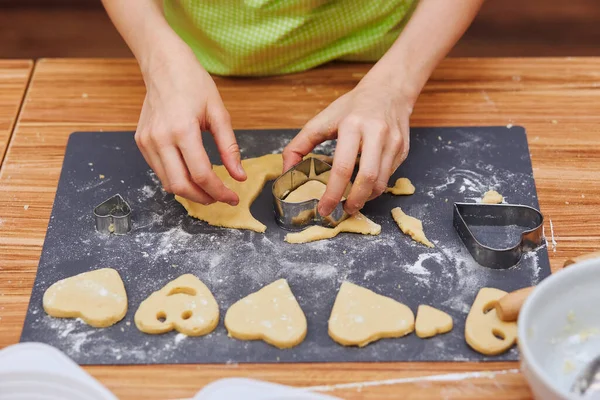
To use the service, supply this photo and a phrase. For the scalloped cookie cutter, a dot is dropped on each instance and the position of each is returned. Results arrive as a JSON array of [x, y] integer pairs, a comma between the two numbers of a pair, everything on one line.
[[113, 216], [469, 214], [296, 216]]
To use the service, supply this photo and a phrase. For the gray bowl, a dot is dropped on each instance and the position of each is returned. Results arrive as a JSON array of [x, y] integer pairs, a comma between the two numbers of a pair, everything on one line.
[[559, 329]]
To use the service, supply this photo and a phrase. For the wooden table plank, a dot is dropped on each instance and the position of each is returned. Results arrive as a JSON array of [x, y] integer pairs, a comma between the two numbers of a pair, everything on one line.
[[555, 99], [14, 76]]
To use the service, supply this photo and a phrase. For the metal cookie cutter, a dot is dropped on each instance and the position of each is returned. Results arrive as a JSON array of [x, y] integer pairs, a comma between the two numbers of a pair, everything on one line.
[[295, 216], [469, 214], [113, 216]]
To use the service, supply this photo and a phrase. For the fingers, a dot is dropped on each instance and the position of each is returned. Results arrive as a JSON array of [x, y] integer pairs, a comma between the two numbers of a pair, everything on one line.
[[385, 171], [369, 166], [220, 127], [342, 169], [390, 161], [154, 161], [179, 178], [200, 169], [314, 133]]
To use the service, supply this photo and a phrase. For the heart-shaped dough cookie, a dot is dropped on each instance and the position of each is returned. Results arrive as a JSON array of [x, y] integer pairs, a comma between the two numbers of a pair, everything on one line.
[[360, 316], [184, 304], [484, 331], [97, 297], [271, 314], [431, 322]]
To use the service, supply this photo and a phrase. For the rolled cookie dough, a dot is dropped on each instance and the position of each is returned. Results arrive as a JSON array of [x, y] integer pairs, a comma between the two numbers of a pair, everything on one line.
[[97, 297], [403, 187], [431, 322], [184, 304], [410, 226], [360, 316], [484, 331], [492, 197], [271, 314], [259, 171]]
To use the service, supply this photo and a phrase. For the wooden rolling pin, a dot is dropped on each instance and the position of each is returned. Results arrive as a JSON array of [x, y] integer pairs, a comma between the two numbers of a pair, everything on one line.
[[588, 256], [508, 307]]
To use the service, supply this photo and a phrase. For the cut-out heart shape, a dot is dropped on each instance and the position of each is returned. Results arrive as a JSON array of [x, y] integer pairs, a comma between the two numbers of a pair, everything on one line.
[[521, 228], [484, 331], [271, 314], [360, 316], [431, 322], [97, 297], [184, 304]]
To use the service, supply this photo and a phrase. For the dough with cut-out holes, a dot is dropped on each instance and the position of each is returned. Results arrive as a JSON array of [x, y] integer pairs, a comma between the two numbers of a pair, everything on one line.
[[431, 322], [360, 316], [271, 314], [492, 197], [259, 171], [402, 187], [484, 331], [184, 304], [97, 297]]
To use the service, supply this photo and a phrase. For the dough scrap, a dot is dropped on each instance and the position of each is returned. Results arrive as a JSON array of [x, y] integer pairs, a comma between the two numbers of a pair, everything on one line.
[[403, 187], [481, 328], [410, 226], [271, 314], [360, 316], [184, 304], [357, 223], [492, 197], [431, 322], [259, 170], [97, 297]]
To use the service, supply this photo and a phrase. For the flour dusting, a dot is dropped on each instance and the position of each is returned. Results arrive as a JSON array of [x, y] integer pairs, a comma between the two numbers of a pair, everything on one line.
[[166, 243]]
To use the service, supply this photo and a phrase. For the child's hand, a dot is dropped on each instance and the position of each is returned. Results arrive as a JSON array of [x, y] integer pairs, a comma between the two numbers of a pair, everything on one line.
[[181, 101], [372, 120]]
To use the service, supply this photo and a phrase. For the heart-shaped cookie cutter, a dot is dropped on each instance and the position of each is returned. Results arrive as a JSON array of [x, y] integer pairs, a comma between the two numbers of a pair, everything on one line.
[[113, 216], [469, 214], [295, 216]]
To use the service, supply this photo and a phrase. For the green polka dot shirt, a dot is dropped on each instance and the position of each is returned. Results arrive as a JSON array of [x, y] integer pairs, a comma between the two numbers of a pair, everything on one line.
[[269, 37]]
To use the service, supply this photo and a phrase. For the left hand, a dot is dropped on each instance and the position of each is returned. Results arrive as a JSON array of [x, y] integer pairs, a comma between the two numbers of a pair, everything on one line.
[[372, 119]]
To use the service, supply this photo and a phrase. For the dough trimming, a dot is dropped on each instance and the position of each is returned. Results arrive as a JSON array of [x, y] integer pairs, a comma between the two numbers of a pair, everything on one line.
[[410, 226]]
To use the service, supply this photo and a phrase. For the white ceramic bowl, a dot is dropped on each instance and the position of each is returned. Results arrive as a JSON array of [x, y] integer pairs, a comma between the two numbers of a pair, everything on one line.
[[559, 329]]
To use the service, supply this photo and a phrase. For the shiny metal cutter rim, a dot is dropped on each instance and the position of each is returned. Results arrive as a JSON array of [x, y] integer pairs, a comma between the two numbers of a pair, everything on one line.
[[466, 214], [113, 216], [296, 216]]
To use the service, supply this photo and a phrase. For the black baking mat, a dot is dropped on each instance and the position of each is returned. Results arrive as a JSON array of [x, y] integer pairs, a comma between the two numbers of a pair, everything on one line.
[[446, 165]]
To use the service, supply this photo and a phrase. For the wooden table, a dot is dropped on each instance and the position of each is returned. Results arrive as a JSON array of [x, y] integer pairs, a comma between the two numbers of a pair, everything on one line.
[[14, 77], [557, 100]]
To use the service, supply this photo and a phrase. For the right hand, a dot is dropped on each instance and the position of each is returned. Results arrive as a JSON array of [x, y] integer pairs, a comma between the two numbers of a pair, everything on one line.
[[181, 101]]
